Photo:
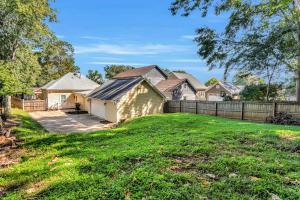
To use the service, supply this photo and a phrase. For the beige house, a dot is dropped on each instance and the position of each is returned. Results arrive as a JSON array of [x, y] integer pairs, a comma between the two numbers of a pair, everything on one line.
[[218, 91], [124, 98], [177, 89], [200, 88], [68, 90]]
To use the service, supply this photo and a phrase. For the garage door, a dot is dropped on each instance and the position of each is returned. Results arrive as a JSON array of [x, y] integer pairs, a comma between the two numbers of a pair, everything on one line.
[[214, 98], [98, 108]]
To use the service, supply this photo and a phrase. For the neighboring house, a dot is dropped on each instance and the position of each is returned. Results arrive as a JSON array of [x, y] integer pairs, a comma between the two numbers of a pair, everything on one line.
[[124, 98], [152, 73], [219, 90], [177, 89], [200, 95], [68, 90]]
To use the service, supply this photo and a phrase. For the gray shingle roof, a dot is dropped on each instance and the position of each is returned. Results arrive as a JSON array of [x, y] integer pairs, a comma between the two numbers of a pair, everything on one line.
[[116, 88], [194, 81], [71, 81]]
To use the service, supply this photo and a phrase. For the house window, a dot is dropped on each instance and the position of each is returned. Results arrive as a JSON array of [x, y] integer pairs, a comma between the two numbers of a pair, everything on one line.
[[222, 94], [185, 98], [185, 86], [63, 98], [217, 86]]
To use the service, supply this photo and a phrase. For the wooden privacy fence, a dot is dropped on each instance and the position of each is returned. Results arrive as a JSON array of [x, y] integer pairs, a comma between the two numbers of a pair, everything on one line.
[[256, 111], [28, 105]]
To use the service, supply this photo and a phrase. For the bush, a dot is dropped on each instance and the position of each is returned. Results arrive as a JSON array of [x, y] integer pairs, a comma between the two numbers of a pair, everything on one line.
[[284, 119]]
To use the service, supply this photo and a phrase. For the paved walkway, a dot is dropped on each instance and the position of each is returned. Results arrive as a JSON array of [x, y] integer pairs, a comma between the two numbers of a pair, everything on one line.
[[61, 122]]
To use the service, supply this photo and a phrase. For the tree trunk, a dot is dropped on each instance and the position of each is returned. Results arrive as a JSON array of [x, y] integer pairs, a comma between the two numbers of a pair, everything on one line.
[[298, 81], [6, 102]]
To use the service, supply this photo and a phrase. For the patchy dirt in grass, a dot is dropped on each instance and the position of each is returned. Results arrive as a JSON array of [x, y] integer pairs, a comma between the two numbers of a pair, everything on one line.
[[188, 163], [10, 153]]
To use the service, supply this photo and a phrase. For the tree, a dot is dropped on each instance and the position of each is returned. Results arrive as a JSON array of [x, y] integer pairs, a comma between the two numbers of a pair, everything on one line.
[[260, 92], [246, 78], [180, 71], [96, 76], [258, 35], [24, 32], [113, 70], [211, 81], [56, 58]]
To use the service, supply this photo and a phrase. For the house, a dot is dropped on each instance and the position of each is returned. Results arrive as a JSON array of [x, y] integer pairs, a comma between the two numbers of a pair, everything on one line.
[[64, 92], [200, 88], [177, 89], [219, 90], [124, 98], [153, 73]]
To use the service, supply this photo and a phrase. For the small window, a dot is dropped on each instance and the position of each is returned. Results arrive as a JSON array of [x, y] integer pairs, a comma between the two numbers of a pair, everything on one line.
[[185, 85], [222, 94], [63, 98], [218, 86], [185, 98]]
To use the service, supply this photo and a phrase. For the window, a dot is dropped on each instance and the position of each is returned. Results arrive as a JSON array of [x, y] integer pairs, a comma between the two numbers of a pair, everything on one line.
[[217, 86], [185, 85], [222, 94], [185, 98], [63, 98]]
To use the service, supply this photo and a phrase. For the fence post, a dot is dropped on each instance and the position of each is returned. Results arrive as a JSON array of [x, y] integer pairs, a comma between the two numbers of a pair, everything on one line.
[[180, 105], [196, 107], [216, 109], [274, 109], [23, 104], [242, 110]]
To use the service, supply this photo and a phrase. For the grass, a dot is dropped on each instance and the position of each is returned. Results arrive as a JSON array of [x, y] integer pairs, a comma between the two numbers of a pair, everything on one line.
[[170, 156]]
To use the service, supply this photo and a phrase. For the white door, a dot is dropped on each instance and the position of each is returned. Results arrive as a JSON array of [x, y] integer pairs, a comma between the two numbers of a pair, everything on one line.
[[213, 97], [98, 108]]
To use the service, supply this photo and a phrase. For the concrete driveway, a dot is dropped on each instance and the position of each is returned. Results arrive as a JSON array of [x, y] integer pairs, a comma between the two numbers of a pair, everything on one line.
[[61, 122]]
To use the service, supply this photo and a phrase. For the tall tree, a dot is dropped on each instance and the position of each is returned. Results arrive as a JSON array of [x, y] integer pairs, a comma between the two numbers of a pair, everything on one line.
[[246, 78], [112, 70], [211, 81], [96, 76], [258, 35], [56, 58]]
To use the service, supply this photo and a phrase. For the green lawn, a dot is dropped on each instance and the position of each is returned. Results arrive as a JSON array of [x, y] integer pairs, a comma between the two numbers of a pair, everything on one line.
[[170, 156]]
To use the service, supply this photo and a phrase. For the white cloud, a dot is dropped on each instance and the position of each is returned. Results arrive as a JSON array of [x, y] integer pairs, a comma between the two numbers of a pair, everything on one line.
[[60, 36], [131, 49], [90, 37], [117, 63], [186, 60], [188, 37]]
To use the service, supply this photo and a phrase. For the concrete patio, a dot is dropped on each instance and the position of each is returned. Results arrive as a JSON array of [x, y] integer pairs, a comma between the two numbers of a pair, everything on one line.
[[61, 122]]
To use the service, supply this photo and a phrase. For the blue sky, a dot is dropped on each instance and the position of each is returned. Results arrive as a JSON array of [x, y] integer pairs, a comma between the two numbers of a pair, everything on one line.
[[132, 32]]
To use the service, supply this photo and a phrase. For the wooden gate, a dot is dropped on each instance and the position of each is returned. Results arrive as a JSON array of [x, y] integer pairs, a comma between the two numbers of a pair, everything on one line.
[[29, 105], [34, 105]]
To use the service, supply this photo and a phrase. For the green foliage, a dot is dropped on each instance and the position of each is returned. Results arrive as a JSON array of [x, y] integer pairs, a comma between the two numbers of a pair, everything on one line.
[[169, 156], [112, 70], [19, 75], [56, 59], [96, 76], [246, 78], [23, 22], [260, 36], [259, 92], [211, 81]]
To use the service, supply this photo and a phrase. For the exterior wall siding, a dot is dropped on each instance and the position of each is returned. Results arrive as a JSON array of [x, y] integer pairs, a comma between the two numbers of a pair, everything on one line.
[[140, 101], [54, 100], [181, 92]]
